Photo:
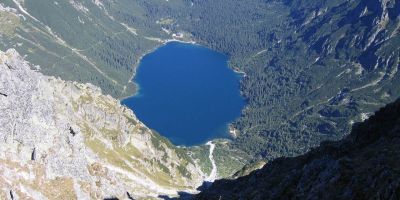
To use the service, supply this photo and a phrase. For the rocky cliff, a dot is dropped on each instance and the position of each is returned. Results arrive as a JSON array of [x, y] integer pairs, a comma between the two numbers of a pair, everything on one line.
[[364, 165], [65, 140]]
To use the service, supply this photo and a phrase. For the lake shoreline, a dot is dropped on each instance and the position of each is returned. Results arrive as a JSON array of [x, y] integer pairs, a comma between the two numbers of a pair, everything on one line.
[[224, 72]]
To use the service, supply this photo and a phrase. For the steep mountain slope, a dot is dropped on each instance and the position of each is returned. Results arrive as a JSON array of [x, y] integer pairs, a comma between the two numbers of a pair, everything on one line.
[[364, 165], [97, 41], [65, 140]]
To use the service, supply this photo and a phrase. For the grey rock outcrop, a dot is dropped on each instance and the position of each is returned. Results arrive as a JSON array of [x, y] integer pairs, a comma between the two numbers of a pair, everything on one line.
[[66, 140]]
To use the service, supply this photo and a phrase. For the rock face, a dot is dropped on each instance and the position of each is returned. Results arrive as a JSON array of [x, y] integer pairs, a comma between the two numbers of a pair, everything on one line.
[[65, 140], [364, 165]]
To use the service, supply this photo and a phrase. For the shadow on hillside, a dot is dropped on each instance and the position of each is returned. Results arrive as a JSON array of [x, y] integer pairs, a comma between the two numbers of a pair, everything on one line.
[[186, 195]]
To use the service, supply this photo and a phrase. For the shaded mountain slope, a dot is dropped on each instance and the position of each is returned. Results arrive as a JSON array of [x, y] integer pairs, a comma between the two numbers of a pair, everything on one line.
[[364, 165]]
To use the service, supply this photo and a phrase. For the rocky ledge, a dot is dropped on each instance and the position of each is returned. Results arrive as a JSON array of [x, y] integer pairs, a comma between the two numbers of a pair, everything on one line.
[[66, 140]]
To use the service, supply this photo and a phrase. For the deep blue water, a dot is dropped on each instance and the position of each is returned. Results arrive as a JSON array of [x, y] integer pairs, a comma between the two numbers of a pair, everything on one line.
[[187, 93]]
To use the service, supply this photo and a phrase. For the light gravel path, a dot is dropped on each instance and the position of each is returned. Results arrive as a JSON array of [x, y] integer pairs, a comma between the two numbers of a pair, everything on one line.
[[213, 174]]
